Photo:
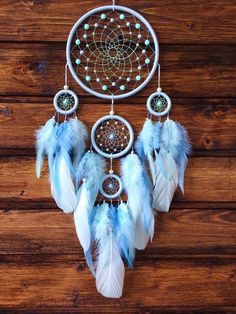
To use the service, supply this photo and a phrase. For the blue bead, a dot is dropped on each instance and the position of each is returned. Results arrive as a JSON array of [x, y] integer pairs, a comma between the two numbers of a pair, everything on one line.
[[138, 78], [86, 26], [137, 26], [77, 61], [103, 16], [104, 88], [122, 16], [147, 61], [122, 87], [88, 78], [147, 42], [77, 42]]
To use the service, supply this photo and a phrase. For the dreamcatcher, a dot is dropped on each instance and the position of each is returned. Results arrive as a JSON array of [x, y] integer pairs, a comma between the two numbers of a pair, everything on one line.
[[112, 53]]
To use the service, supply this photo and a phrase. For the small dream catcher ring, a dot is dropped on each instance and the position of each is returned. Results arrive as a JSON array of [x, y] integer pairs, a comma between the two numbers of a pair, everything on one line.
[[66, 102], [159, 104], [112, 52], [111, 186], [112, 136]]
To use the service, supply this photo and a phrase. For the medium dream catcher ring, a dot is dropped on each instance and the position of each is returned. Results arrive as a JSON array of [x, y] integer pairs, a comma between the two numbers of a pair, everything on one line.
[[112, 52], [112, 136]]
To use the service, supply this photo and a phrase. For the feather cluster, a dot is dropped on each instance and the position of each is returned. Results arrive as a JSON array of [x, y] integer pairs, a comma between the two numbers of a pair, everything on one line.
[[164, 149], [63, 144]]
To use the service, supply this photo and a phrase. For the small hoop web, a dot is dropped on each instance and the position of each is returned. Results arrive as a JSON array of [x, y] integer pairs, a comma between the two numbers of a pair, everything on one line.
[[65, 102], [111, 186], [159, 104]]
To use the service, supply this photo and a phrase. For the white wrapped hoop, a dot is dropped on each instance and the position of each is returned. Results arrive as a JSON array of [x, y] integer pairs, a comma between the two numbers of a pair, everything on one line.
[[113, 52], [112, 136], [159, 104], [65, 102], [111, 186]]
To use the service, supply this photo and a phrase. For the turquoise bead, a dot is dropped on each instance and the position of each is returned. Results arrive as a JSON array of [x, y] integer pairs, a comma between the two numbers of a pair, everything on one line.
[[88, 78], [138, 78], [104, 88], [147, 42], [122, 87], [86, 26], [137, 26], [66, 101], [122, 16], [77, 42], [147, 61], [103, 16], [159, 103], [77, 61]]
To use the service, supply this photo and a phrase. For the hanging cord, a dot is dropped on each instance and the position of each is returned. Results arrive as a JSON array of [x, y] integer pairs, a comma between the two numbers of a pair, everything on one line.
[[159, 79], [113, 4], [111, 171], [66, 77], [112, 106]]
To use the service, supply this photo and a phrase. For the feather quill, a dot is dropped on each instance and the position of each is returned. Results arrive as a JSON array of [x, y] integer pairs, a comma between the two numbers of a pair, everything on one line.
[[93, 169], [139, 201]]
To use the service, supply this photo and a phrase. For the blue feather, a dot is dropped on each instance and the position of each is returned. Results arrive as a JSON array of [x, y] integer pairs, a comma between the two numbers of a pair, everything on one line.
[[125, 234]]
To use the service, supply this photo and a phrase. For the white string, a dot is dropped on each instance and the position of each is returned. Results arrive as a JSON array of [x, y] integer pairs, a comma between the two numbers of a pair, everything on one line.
[[113, 4], [159, 76], [66, 74]]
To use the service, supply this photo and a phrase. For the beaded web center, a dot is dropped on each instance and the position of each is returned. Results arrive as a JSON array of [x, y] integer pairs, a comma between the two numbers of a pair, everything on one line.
[[112, 136], [159, 103], [111, 186], [65, 101]]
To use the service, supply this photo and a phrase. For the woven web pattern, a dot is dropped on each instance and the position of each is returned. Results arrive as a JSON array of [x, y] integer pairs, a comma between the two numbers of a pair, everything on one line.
[[159, 103], [113, 52], [110, 186], [65, 101], [112, 136]]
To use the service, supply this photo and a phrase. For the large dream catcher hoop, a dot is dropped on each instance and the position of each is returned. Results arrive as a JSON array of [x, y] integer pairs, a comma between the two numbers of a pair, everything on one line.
[[112, 52]]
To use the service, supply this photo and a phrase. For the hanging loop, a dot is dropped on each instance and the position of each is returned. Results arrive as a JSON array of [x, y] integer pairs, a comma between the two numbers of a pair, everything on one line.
[[159, 79]]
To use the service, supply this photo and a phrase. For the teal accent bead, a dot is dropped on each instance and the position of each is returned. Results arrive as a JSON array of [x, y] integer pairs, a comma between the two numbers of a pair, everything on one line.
[[66, 102], [77, 42], [137, 26], [122, 87], [104, 88], [103, 16], [147, 42], [147, 61], [122, 16], [138, 78], [77, 61], [86, 27], [158, 103], [88, 78]]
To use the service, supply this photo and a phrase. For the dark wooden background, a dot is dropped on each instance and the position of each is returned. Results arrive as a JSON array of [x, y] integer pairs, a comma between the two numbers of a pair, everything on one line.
[[191, 265]]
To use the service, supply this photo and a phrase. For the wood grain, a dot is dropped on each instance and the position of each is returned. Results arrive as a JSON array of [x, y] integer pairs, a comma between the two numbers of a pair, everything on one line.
[[187, 71], [182, 21], [210, 122], [179, 234], [208, 179], [62, 281]]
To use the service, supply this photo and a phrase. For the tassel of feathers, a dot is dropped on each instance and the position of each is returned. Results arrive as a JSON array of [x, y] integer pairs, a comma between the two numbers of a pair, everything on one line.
[[169, 147], [64, 145]]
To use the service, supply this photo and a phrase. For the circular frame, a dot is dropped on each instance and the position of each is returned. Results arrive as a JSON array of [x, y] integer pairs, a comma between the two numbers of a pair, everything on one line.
[[70, 92], [149, 106], [138, 16], [120, 186], [131, 139]]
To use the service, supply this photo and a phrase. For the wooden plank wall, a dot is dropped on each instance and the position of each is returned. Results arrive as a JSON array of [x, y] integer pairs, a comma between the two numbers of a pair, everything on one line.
[[191, 265]]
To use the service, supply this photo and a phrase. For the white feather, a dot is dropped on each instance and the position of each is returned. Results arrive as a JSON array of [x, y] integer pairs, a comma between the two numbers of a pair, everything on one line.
[[110, 270], [65, 198], [81, 220], [166, 181]]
